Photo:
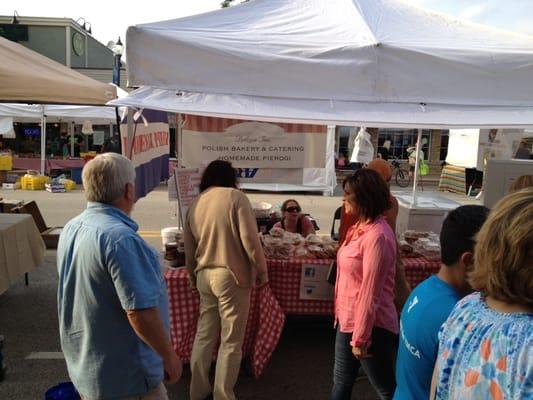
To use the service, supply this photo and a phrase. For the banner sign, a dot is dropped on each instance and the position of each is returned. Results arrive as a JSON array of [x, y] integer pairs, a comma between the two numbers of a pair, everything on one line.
[[150, 150], [270, 175], [184, 186], [314, 284], [249, 144], [497, 144]]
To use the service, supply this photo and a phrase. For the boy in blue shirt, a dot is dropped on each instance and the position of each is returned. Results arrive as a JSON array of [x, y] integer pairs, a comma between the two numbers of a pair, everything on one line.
[[430, 303]]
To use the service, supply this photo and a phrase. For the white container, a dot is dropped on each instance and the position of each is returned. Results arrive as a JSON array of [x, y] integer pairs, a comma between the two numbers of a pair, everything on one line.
[[499, 176], [262, 209], [168, 235], [427, 214]]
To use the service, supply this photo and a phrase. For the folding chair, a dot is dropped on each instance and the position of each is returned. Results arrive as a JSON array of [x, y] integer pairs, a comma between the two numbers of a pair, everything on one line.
[[313, 221], [334, 226]]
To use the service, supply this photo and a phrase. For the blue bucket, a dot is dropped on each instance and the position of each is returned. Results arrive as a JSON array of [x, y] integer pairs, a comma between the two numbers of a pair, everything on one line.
[[63, 391]]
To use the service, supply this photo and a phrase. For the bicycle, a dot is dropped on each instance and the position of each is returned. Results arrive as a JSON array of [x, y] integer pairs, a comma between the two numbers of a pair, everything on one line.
[[401, 176]]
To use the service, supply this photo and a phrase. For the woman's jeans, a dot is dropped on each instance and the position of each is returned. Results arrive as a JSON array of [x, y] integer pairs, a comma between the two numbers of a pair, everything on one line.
[[379, 368]]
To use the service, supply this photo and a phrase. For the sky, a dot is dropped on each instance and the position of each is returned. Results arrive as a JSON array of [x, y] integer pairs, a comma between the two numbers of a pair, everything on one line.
[[109, 19]]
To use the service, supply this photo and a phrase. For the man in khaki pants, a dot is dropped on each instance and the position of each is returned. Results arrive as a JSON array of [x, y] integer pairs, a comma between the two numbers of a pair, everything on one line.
[[225, 259]]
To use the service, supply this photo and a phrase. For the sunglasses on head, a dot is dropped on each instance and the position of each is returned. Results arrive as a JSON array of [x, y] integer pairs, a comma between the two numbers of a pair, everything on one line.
[[293, 209]]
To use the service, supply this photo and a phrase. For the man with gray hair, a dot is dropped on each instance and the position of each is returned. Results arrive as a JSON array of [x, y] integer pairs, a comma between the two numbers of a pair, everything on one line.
[[112, 298]]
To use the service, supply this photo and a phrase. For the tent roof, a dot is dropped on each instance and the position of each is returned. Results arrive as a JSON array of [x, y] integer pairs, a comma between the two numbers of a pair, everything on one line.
[[29, 77], [57, 112], [368, 51], [332, 112], [34, 112]]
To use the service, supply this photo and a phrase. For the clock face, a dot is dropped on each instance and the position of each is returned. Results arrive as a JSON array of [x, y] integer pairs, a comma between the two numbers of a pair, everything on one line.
[[78, 44]]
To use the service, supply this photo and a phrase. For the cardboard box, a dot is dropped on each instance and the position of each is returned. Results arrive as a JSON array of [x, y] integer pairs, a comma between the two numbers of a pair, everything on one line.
[[11, 186], [7, 206], [15, 175], [55, 187]]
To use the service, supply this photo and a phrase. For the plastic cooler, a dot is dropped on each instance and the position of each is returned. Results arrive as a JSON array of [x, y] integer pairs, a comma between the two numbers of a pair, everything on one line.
[[427, 214]]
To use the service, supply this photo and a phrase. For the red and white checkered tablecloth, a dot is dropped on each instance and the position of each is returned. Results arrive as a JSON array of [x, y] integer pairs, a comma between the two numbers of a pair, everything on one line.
[[265, 321], [284, 276], [268, 307], [418, 269]]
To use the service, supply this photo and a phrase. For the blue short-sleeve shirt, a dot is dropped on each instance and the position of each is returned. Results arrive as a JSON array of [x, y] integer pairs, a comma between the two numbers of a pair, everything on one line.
[[106, 268], [426, 309]]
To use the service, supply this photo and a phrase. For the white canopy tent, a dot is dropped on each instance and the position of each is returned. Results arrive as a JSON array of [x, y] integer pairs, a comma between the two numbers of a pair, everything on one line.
[[29, 77], [32, 112], [55, 113], [350, 62], [21, 112]]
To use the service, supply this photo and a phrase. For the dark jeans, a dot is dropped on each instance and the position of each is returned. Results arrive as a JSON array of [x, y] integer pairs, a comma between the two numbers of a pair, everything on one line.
[[379, 368]]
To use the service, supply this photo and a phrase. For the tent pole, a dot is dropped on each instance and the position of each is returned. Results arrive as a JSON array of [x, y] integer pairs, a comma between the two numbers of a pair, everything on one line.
[[417, 163], [72, 139], [129, 147], [179, 139], [43, 140], [110, 134]]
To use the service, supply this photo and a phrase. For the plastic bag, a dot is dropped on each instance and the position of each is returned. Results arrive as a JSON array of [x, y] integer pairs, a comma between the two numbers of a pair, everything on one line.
[[424, 168], [363, 149]]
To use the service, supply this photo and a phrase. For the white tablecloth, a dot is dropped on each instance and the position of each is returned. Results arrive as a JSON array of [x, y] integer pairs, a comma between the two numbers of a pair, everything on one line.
[[21, 248]]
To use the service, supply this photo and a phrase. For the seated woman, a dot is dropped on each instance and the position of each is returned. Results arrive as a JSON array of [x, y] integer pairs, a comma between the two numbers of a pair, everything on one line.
[[293, 220]]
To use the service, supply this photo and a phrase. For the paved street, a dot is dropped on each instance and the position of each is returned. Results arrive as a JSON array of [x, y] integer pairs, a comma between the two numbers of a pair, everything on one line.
[[300, 368]]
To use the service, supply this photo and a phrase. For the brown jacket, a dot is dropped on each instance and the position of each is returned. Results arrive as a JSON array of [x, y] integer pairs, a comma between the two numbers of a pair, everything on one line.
[[220, 231]]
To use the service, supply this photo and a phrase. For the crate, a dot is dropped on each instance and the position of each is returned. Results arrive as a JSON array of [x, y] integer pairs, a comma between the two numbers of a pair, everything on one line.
[[33, 182], [69, 184], [6, 162]]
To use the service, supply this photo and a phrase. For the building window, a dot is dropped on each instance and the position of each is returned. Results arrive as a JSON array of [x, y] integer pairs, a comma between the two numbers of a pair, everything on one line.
[[401, 139]]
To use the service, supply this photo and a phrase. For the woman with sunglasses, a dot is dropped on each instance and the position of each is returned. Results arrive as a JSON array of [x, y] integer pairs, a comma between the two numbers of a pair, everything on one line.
[[293, 220]]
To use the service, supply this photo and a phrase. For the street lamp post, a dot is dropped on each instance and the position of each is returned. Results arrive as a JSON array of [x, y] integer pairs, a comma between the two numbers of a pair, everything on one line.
[[117, 49]]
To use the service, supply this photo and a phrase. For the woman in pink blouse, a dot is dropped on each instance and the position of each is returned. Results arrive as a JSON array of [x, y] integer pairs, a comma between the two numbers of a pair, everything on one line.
[[365, 315]]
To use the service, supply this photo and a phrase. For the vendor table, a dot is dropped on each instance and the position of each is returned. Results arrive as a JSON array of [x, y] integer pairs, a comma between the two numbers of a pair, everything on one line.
[[21, 248], [285, 275], [265, 321], [418, 269], [269, 305], [50, 164]]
